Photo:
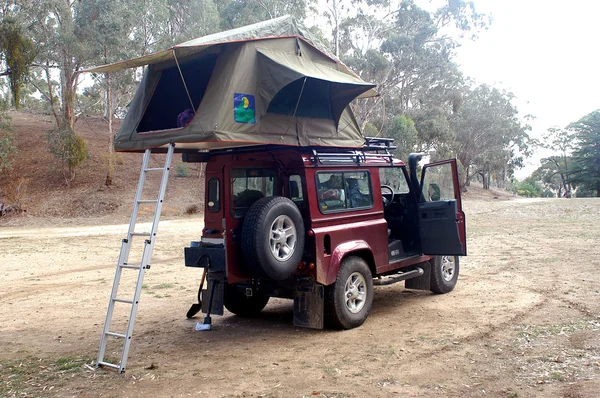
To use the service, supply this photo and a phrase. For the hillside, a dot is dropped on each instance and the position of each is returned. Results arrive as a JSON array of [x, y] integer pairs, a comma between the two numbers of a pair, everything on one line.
[[47, 195], [48, 199]]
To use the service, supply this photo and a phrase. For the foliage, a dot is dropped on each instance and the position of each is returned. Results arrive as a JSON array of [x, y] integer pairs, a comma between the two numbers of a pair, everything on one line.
[[236, 13], [69, 149], [402, 130], [182, 170], [530, 188], [15, 194], [19, 52], [488, 134], [8, 147], [586, 157]]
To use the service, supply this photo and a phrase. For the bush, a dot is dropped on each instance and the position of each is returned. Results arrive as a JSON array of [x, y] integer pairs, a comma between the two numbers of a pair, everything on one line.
[[182, 170], [69, 148], [15, 194], [8, 149], [192, 209]]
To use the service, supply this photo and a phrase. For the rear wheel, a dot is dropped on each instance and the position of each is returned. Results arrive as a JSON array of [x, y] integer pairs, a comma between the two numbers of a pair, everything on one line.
[[239, 303], [444, 273], [348, 301]]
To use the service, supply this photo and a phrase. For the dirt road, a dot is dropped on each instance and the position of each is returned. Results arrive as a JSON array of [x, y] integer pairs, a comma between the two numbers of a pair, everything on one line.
[[524, 320]]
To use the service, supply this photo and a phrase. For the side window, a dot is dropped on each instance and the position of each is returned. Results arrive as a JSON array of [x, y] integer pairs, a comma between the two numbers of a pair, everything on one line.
[[214, 199], [358, 189], [344, 190], [295, 190], [438, 183]]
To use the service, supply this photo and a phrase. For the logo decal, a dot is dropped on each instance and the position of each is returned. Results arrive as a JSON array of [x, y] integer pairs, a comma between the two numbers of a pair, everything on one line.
[[244, 108]]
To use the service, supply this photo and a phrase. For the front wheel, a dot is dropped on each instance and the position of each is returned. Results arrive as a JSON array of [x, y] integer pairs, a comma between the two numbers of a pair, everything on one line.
[[444, 273], [348, 301]]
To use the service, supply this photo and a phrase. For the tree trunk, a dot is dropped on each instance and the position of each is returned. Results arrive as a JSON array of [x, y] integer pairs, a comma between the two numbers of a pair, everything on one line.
[[111, 157]]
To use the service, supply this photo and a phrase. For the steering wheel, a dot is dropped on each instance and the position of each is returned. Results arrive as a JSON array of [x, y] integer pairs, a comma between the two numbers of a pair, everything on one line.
[[387, 202]]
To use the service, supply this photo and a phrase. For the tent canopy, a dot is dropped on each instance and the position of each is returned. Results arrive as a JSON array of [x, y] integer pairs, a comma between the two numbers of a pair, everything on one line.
[[263, 83]]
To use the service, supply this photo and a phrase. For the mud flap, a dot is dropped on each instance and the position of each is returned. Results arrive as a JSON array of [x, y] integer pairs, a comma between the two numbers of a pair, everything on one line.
[[422, 282], [218, 279], [309, 305]]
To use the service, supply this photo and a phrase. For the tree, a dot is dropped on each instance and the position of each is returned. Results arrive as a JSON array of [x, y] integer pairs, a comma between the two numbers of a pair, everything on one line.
[[19, 52], [236, 13], [105, 25], [560, 141], [554, 173], [52, 24], [586, 157], [488, 133]]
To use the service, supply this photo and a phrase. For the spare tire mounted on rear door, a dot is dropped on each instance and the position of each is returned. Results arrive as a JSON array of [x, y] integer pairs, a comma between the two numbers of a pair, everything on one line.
[[273, 237]]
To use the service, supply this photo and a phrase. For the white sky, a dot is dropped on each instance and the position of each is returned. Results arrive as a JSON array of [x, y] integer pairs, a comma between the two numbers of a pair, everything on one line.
[[547, 53]]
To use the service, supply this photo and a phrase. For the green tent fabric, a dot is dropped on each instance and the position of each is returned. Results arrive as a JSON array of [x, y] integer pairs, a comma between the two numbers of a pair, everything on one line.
[[267, 83]]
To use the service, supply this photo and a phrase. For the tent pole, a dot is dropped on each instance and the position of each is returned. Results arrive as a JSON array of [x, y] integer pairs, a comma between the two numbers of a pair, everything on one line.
[[183, 80], [296, 108]]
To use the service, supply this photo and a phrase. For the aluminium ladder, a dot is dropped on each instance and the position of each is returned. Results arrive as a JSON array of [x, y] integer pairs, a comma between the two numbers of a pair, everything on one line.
[[140, 267]]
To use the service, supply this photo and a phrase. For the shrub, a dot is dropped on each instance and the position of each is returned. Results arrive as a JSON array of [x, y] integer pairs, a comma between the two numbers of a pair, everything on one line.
[[192, 209], [182, 170], [69, 148], [8, 149], [15, 194]]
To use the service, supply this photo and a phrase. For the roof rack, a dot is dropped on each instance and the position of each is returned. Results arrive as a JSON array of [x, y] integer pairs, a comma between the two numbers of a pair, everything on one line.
[[338, 157], [377, 146], [379, 143]]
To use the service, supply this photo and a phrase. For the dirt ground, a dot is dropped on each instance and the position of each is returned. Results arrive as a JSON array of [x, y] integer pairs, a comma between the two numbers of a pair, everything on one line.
[[523, 321]]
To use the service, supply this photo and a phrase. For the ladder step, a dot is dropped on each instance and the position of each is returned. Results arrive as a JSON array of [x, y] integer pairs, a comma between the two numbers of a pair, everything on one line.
[[129, 266], [122, 336], [120, 300], [154, 169], [110, 365], [147, 201], [141, 234]]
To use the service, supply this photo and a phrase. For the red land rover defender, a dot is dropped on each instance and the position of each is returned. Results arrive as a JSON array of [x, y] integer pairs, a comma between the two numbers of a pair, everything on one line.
[[322, 226]]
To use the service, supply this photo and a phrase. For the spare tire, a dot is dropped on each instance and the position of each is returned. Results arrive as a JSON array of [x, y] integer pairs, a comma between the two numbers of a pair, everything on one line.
[[273, 238]]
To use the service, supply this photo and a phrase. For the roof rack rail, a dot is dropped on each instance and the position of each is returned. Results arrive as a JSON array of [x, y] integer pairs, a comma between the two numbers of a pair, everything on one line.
[[379, 143], [339, 157]]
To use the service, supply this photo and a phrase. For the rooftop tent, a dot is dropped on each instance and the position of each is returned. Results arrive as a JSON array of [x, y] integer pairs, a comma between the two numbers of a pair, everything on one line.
[[263, 83]]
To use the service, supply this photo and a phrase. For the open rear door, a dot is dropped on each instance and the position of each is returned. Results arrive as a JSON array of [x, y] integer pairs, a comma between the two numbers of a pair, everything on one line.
[[441, 219]]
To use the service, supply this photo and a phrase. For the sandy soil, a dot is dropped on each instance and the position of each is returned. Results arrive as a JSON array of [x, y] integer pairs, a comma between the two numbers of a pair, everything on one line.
[[524, 320]]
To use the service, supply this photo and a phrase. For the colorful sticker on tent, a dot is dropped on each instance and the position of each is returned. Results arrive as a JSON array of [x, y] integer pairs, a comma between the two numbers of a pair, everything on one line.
[[244, 108]]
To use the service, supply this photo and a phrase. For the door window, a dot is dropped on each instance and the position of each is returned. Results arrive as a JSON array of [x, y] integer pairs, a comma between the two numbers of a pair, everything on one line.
[[438, 183]]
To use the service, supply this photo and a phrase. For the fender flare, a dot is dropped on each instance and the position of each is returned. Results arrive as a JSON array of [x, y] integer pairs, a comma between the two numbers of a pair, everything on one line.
[[341, 251]]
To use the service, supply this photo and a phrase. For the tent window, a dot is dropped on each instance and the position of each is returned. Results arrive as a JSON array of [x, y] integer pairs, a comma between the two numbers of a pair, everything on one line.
[[170, 99], [315, 101]]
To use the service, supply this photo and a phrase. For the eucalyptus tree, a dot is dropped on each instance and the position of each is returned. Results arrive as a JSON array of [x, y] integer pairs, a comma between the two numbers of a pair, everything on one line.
[[18, 53], [236, 13], [407, 51], [488, 132], [106, 26], [561, 142], [586, 156]]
